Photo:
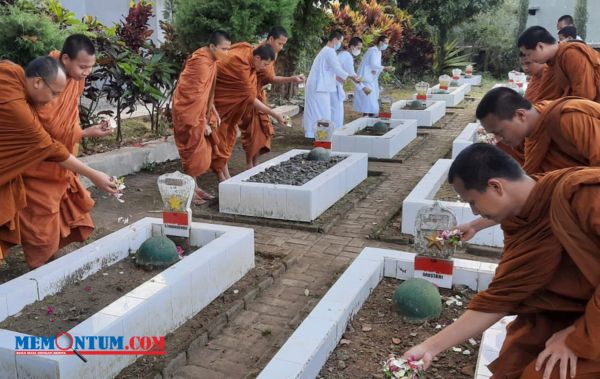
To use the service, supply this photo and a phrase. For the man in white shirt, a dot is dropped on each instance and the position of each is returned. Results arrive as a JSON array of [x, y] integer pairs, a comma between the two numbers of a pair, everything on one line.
[[321, 82]]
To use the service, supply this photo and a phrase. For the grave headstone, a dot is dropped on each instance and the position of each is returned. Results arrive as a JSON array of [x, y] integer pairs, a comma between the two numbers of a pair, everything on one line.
[[177, 191]]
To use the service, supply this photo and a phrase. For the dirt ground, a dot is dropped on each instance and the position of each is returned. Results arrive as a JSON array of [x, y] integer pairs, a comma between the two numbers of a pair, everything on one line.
[[377, 331]]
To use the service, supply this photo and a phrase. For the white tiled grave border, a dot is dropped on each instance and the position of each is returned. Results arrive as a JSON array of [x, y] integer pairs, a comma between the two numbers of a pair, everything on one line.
[[422, 196], [287, 202], [491, 342], [465, 139], [306, 351], [435, 110], [452, 99], [386, 146], [156, 307], [474, 80]]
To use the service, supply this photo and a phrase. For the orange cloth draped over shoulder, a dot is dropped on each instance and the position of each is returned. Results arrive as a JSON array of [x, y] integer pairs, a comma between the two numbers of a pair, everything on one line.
[[549, 275], [235, 93], [58, 205], [257, 128], [192, 103], [534, 87], [567, 134], [23, 144], [576, 70]]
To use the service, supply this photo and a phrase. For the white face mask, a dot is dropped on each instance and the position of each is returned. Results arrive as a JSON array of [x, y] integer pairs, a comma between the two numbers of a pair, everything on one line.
[[355, 52], [383, 46]]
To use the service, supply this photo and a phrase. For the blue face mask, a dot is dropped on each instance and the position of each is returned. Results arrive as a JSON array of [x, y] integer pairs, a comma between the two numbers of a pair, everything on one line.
[[383, 46], [338, 46]]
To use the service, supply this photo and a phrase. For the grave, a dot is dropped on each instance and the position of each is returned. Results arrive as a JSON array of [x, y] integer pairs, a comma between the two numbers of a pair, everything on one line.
[[453, 96], [156, 307], [471, 134], [423, 195], [401, 133], [433, 112], [292, 202], [306, 351]]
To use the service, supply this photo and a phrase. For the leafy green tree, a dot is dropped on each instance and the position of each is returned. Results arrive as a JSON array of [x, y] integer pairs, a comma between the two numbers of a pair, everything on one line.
[[444, 15], [245, 20], [581, 18], [25, 34]]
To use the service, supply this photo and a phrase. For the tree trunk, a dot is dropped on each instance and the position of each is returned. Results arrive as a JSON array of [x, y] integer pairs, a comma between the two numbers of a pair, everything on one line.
[[581, 18], [442, 39], [119, 134]]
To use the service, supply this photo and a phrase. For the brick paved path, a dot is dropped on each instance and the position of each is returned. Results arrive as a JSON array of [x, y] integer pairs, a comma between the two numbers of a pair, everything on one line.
[[247, 344]]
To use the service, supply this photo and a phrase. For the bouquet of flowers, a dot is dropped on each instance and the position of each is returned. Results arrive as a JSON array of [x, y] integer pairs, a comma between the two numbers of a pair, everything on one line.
[[451, 237], [399, 368]]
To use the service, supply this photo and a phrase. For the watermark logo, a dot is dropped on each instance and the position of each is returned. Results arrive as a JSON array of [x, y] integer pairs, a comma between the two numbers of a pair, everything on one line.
[[66, 344]]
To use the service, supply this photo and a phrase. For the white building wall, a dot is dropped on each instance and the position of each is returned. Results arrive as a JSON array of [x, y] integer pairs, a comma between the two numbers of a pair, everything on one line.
[[110, 12], [548, 12]]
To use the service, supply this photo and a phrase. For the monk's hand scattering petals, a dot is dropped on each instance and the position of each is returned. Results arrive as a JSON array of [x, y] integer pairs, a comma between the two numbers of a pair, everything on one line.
[[557, 351], [104, 182], [279, 119], [356, 79], [421, 352], [102, 129], [298, 79], [467, 231]]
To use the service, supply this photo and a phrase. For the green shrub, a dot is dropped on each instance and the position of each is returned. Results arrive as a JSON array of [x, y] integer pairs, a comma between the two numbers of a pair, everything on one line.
[[245, 20], [25, 35]]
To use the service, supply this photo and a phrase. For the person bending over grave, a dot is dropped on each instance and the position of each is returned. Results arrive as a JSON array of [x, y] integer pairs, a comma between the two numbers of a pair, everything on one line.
[[24, 142], [194, 115], [369, 71], [535, 80], [256, 126], [58, 205], [574, 67], [324, 74], [236, 96], [346, 59], [568, 33], [535, 72], [555, 134], [549, 273], [564, 21]]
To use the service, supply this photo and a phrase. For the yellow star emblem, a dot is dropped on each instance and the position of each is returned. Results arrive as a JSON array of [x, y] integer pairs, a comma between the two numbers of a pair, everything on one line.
[[174, 203], [321, 135], [433, 241]]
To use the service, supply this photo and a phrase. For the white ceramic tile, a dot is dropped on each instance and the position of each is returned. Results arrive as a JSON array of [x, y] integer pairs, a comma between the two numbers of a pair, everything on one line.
[[252, 199], [229, 197]]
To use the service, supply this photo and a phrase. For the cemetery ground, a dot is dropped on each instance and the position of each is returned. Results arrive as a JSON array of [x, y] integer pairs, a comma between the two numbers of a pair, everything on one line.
[[296, 263]]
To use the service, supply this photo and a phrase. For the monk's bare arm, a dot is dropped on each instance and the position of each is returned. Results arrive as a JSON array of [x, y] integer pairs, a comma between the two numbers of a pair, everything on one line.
[[261, 107], [469, 229], [100, 179], [470, 324], [288, 79]]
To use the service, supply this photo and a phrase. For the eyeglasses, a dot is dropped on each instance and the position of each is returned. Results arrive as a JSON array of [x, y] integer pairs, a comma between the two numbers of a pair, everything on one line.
[[54, 93]]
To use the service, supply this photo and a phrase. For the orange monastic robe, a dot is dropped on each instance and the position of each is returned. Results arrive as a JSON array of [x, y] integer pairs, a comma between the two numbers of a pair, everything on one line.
[[573, 70], [566, 135], [257, 128], [534, 87], [23, 144], [235, 93], [549, 275], [192, 102], [58, 205]]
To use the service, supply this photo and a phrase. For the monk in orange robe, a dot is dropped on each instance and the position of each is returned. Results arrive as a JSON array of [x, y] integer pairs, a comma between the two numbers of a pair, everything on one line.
[[535, 71], [23, 141], [58, 205], [257, 128], [194, 114], [574, 67], [549, 273], [555, 134], [236, 95]]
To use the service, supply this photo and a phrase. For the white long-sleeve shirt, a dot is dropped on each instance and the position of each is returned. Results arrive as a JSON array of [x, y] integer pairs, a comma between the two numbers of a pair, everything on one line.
[[323, 72], [347, 61]]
